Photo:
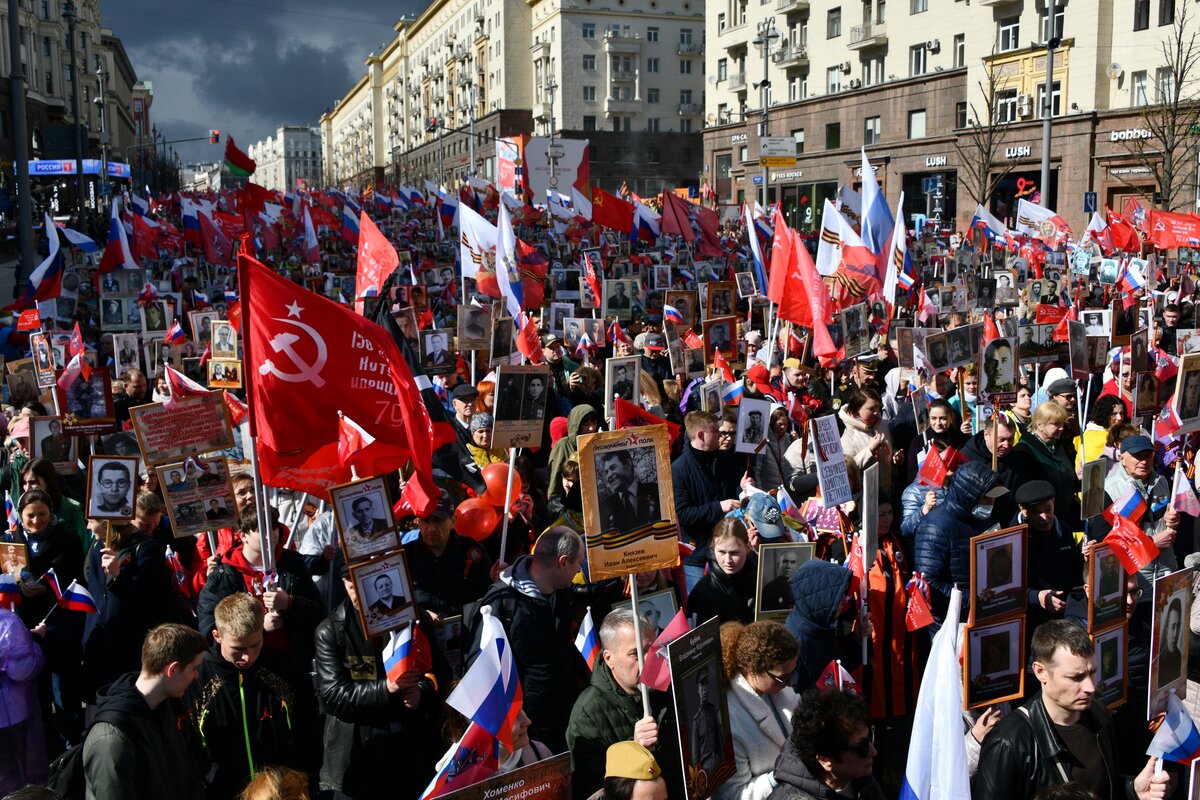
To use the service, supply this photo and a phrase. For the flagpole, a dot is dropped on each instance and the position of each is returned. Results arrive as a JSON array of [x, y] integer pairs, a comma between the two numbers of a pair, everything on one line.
[[637, 637], [512, 457]]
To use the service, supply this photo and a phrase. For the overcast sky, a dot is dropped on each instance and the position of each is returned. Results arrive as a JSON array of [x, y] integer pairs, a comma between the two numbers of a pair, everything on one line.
[[247, 66]]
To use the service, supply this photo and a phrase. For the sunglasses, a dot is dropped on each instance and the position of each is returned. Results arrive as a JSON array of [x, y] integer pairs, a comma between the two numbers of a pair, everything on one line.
[[783, 680], [863, 748]]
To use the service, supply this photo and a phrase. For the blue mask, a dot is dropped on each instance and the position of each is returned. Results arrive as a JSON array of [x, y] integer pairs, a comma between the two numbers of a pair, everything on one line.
[[981, 511]]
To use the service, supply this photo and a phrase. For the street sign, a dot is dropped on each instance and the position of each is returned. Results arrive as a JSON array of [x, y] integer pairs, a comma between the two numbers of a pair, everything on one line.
[[758, 180], [1089, 202], [776, 161], [776, 147]]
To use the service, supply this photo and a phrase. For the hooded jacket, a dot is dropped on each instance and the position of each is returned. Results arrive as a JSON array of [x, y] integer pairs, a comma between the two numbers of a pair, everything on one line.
[[817, 591], [701, 481], [605, 715], [943, 540], [729, 598], [976, 449], [563, 449], [796, 782], [135, 752]]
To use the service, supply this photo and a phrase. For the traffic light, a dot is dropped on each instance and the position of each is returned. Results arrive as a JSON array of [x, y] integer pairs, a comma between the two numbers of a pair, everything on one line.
[[214, 137], [431, 125]]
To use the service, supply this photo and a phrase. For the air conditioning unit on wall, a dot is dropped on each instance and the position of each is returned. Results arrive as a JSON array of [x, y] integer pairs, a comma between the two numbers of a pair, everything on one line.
[[933, 45], [855, 84], [1024, 105]]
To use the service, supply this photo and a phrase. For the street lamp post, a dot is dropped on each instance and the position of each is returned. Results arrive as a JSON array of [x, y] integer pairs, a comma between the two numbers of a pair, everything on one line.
[[1048, 106], [16, 80], [101, 103], [70, 16], [551, 151], [767, 35]]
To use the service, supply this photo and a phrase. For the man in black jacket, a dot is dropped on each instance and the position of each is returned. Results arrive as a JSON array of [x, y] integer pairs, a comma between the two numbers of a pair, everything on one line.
[[135, 748], [997, 436], [1062, 735]]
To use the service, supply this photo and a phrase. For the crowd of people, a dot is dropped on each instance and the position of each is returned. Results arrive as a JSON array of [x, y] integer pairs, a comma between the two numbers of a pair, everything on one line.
[[235, 663]]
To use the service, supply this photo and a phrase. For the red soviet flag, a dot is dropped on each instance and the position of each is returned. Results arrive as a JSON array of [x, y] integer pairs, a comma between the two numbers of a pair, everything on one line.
[[309, 358], [376, 261], [611, 211]]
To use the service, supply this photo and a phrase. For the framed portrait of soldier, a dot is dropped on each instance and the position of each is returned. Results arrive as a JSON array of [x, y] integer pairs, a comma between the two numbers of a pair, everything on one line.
[[1169, 639], [557, 318], [662, 277], [619, 298], [201, 322], [1186, 400], [1097, 321], [659, 607], [502, 341], [998, 372], [994, 659], [1139, 352], [937, 350], [566, 288], [47, 440], [363, 512], [1105, 587], [125, 352], [436, 356], [42, 360], [701, 711], [719, 336], [87, 403], [1112, 658], [110, 488], [1077, 349], [224, 339], [693, 358], [385, 595], [1097, 353], [959, 347], [985, 294], [754, 418], [587, 298], [199, 495], [1093, 502], [998, 576], [622, 378], [776, 564], [520, 408], [155, 317], [856, 335], [745, 285], [406, 318], [1145, 395], [473, 322], [14, 557], [905, 358], [1007, 293], [628, 501], [683, 301], [719, 299], [710, 396]]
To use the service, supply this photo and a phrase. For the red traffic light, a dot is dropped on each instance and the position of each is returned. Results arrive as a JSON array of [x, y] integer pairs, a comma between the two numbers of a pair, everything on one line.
[[214, 137]]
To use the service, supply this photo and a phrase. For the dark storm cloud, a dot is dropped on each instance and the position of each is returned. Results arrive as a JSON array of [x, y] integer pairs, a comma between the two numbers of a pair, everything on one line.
[[247, 67]]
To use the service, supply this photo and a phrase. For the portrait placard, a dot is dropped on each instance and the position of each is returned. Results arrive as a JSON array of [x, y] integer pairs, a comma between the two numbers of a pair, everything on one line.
[[110, 487], [937, 350], [385, 595], [1077, 350], [587, 298], [628, 501], [619, 298], [683, 301], [754, 418], [43, 360], [719, 299], [1186, 400], [776, 563], [1093, 498], [622, 378], [520, 408], [1097, 322], [125, 353], [1105, 587], [710, 396], [832, 476], [199, 495], [745, 285], [192, 426], [960, 348], [856, 334], [201, 322], [995, 659], [224, 343], [659, 607], [47, 440], [998, 574], [501, 341], [559, 312], [14, 557], [1145, 395], [701, 712], [1139, 353], [1112, 665], [436, 357], [363, 512], [719, 335], [1169, 639], [87, 405], [473, 327], [224, 373]]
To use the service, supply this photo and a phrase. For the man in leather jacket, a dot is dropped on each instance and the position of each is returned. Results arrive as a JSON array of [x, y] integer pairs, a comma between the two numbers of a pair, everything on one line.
[[1062, 735]]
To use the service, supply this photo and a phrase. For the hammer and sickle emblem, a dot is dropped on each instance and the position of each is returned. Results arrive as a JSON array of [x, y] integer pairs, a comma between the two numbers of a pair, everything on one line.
[[283, 343]]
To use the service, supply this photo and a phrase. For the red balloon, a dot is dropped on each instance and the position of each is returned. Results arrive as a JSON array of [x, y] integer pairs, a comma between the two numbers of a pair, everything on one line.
[[475, 518], [495, 476]]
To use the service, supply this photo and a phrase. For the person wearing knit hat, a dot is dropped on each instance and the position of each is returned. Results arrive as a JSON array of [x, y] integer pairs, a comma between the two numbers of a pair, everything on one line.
[[480, 445], [631, 773]]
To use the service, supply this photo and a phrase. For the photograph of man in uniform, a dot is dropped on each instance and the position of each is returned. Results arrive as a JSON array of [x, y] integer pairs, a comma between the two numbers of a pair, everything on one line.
[[1095, 324], [719, 338], [754, 431], [502, 340], [366, 524], [705, 726], [223, 343], [54, 445], [622, 386], [1189, 399], [436, 353], [508, 397], [112, 492], [625, 502], [618, 297], [474, 323], [1170, 656], [114, 314], [777, 592], [85, 398], [533, 406], [126, 351], [999, 368], [385, 601]]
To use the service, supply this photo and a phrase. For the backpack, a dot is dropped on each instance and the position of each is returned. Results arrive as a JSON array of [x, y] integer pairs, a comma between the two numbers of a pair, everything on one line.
[[67, 778]]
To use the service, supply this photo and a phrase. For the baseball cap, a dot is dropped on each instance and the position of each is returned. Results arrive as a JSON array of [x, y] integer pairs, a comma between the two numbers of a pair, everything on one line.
[[629, 759], [760, 376], [464, 392], [1134, 444], [791, 363], [999, 490], [763, 511], [444, 508], [653, 341], [550, 339]]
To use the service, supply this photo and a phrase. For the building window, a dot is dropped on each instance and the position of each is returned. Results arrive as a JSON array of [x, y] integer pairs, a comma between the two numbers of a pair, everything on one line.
[[46, 46], [70, 73], [960, 115], [589, 30], [1010, 34], [833, 80], [1058, 22], [918, 60], [589, 123], [1137, 89], [1166, 12], [685, 126], [881, 11], [720, 22], [1164, 85], [798, 138], [685, 66], [724, 165], [651, 65], [960, 49], [871, 130], [652, 124], [793, 89], [744, 154], [45, 9], [685, 96], [916, 124], [652, 95], [1006, 106], [652, 153], [1056, 98], [917, 6], [833, 136], [49, 82], [652, 34], [1141, 15], [722, 69], [685, 35], [872, 71], [833, 25], [589, 62], [589, 94]]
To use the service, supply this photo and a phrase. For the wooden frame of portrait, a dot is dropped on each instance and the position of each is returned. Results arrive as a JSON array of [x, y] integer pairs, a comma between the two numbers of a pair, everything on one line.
[[356, 548], [980, 690], [378, 622], [1104, 609], [1115, 693], [991, 599]]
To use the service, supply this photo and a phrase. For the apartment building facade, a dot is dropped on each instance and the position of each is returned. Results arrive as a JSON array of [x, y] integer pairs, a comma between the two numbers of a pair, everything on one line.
[[292, 155]]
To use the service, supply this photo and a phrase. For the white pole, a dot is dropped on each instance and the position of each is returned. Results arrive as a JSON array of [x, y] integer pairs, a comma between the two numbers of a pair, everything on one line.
[[637, 637]]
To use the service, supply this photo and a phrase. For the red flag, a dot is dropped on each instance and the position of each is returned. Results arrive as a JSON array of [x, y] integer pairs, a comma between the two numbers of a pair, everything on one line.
[[933, 469], [237, 409], [611, 211], [818, 302], [835, 678], [1130, 545], [656, 672], [1124, 235], [376, 261], [690, 339], [629, 415], [311, 357], [238, 162], [918, 614], [675, 217], [217, 247], [593, 281], [720, 363], [351, 439], [145, 240], [528, 342], [990, 331], [31, 320], [233, 312]]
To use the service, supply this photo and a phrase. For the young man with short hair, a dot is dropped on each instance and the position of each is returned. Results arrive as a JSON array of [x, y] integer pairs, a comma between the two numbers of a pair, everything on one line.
[[135, 750]]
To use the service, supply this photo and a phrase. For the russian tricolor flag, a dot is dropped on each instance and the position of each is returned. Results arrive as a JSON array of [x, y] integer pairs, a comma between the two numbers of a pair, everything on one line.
[[52, 580], [587, 641], [175, 334], [731, 395], [490, 693], [408, 650], [787, 506], [10, 591], [671, 314], [473, 758], [80, 242], [45, 282], [77, 598], [349, 223], [1130, 505], [1176, 739], [116, 251], [10, 512], [585, 345]]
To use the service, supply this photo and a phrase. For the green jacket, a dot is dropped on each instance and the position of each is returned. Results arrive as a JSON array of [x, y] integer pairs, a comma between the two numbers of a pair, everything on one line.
[[604, 715], [563, 449]]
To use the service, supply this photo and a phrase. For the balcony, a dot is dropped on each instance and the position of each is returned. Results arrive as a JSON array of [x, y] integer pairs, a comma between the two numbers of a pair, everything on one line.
[[624, 75], [690, 109], [791, 57], [539, 50], [615, 42], [993, 3], [542, 111], [790, 6], [868, 35], [613, 105], [737, 82], [690, 49]]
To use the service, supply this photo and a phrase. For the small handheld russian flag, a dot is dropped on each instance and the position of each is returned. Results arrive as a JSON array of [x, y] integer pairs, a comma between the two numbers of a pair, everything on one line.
[[52, 580], [175, 334], [671, 314], [587, 641], [10, 590], [585, 344], [10, 513], [1130, 505], [408, 650], [1176, 738], [77, 598], [731, 395]]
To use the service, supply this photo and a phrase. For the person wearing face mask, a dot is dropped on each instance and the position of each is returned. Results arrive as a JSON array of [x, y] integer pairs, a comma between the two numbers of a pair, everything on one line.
[[943, 539], [1042, 456], [727, 591]]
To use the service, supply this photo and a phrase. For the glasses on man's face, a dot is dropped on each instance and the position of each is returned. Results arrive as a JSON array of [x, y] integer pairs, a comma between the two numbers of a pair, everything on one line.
[[1134, 594], [863, 748], [725, 434], [115, 484]]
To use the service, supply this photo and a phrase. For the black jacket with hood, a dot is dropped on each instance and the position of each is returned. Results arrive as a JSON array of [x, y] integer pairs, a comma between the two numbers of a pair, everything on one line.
[[796, 782], [817, 591], [701, 481], [727, 597]]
